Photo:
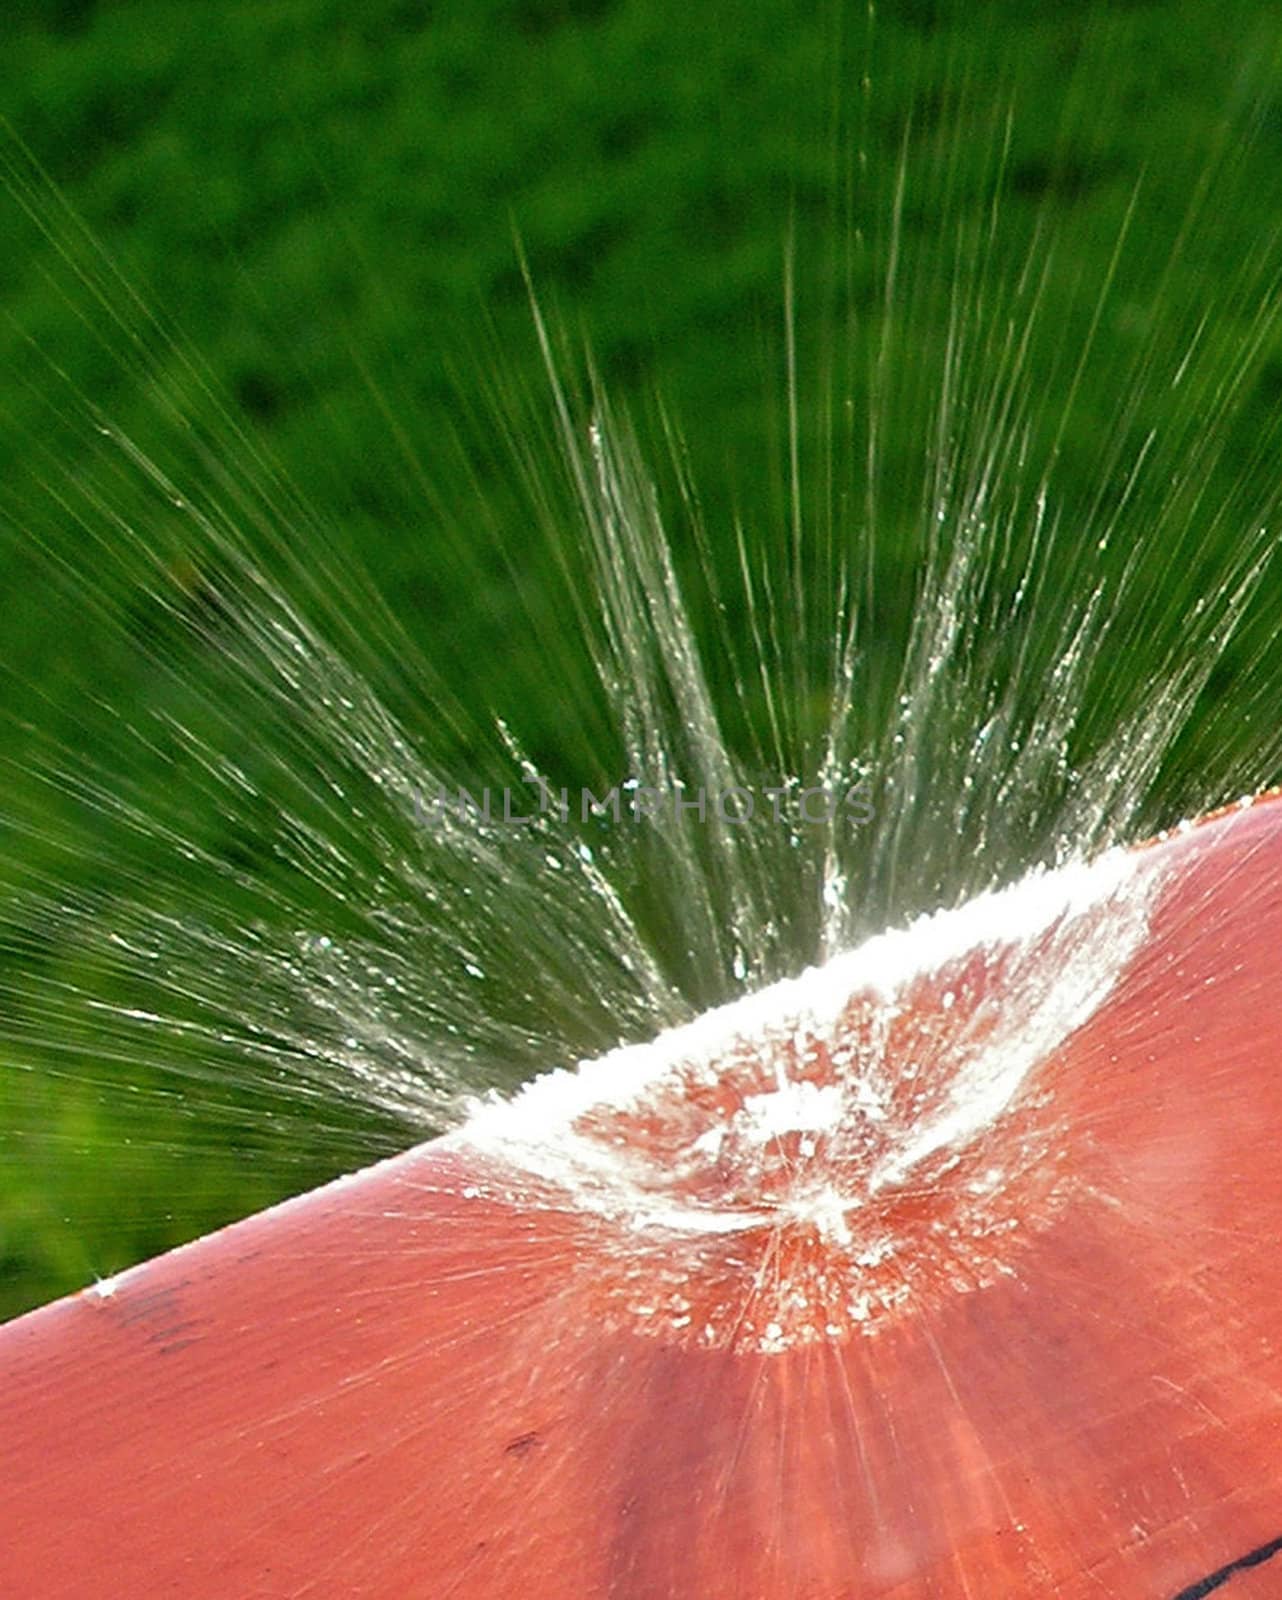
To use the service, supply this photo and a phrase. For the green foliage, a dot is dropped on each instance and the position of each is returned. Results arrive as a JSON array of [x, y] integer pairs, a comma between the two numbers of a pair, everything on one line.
[[325, 197]]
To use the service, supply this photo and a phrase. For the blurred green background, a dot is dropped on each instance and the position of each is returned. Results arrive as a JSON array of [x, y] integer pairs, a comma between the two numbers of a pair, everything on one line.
[[324, 198]]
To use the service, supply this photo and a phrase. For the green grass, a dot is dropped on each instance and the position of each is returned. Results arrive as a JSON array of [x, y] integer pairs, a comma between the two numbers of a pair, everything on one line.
[[324, 197]]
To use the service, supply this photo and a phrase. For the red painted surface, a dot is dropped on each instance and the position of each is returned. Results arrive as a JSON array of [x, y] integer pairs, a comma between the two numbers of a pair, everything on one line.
[[416, 1384]]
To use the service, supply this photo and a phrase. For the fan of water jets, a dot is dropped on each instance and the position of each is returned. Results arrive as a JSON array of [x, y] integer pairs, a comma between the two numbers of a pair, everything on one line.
[[781, 769]]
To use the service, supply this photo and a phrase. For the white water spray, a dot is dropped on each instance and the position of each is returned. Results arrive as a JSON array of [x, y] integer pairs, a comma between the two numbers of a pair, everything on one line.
[[250, 922]]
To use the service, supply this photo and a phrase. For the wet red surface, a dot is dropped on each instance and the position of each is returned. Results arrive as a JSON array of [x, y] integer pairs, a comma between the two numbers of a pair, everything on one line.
[[435, 1379]]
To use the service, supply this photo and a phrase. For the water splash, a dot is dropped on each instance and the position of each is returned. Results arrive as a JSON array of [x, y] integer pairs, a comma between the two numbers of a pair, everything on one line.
[[862, 1138], [238, 910]]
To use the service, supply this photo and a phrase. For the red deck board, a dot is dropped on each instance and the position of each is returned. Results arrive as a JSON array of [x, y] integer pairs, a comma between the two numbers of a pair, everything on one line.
[[410, 1383]]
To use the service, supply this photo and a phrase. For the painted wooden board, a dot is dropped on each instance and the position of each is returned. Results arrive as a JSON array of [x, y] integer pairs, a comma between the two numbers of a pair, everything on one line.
[[451, 1378]]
